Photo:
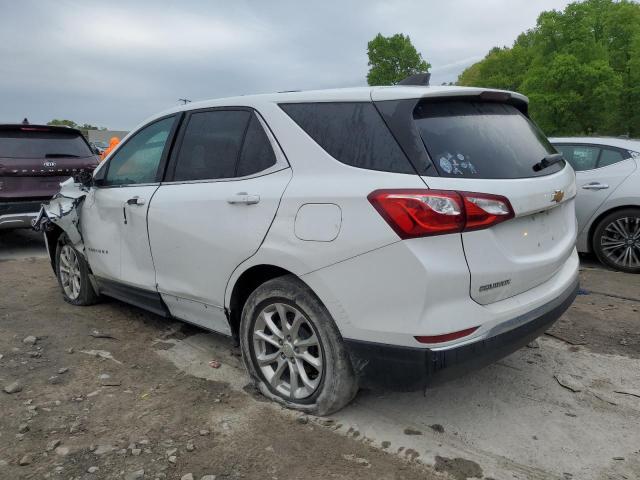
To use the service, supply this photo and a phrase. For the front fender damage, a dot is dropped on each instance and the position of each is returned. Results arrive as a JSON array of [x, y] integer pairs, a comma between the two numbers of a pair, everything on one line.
[[63, 211]]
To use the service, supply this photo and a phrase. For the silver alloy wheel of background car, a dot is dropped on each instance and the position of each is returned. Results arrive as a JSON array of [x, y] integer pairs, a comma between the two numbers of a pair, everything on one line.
[[287, 351], [69, 269], [620, 242]]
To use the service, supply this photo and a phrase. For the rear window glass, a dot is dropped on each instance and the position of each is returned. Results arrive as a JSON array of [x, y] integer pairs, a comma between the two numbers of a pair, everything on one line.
[[352, 133], [49, 144], [482, 140]]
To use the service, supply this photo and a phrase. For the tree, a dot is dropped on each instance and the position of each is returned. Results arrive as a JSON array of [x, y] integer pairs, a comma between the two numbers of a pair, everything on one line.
[[580, 68], [392, 59], [63, 123]]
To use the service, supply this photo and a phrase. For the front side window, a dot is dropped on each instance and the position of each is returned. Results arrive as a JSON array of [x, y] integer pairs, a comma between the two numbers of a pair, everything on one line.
[[351, 132], [211, 145], [137, 161], [475, 139]]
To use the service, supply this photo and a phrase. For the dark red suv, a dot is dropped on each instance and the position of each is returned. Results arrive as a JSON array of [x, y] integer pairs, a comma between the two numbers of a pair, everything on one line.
[[34, 159]]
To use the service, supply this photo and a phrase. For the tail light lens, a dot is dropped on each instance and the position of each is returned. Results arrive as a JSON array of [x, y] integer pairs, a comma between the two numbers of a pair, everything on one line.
[[421, 213]]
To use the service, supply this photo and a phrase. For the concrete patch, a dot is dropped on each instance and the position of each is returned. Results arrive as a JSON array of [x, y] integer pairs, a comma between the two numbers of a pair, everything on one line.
[[510, 419]]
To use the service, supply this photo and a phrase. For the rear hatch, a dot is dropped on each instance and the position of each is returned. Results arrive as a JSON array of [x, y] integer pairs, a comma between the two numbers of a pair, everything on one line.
[[35, 159], [490, 147]]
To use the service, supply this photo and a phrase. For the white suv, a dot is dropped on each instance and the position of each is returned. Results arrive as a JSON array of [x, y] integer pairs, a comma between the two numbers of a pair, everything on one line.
[[342, 237]]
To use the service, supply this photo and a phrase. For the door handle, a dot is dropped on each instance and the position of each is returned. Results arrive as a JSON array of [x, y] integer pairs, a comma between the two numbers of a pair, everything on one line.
[[135, 201], [595, 186], [243, 198]]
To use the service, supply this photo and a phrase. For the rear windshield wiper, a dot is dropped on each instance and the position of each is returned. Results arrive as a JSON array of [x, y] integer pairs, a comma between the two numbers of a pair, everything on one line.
[[61, 155], [548, 161]]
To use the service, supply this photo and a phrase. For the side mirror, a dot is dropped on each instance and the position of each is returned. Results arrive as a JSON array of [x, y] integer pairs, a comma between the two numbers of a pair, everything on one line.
[[85, 178]]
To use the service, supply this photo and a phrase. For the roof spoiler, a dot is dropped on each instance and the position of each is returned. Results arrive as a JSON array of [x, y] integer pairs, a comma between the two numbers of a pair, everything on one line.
[[418, 79]]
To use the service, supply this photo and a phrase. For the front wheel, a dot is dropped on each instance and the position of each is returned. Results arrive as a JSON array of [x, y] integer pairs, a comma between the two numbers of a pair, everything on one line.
[[72, 271], [293, 350], [616, 240]]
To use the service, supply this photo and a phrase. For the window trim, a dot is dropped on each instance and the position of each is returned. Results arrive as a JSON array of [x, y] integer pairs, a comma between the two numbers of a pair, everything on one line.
[[281, 159], [168, 146], [626, 154]]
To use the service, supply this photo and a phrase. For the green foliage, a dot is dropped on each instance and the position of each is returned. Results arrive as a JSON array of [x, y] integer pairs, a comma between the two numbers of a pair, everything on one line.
[[579, 67], [63, 123], [392, 59]]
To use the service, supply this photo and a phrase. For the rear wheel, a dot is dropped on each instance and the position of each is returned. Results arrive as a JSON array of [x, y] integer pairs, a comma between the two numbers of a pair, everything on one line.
[[616, 240], [293, 350], [72, 271]]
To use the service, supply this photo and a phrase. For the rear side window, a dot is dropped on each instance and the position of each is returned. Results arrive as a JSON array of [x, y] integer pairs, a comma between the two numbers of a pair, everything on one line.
[[352, 133], [211, 145], [609, 157], [23, 143], [467, 139], [257, 154], [580, 157], [589, 157]]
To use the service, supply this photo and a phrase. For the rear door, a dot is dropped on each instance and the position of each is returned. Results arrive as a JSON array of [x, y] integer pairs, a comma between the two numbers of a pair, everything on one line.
[[599, 171], [491, 147], [225, 181]]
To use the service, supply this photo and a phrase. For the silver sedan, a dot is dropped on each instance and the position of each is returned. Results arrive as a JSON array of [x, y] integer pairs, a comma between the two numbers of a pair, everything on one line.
[[608, 200]]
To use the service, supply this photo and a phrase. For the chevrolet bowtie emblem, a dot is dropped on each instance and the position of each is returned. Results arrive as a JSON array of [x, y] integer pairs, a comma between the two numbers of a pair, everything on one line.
[[557, 196]]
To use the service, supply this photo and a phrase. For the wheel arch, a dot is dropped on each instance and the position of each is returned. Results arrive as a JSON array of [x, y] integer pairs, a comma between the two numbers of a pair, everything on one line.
[[52, 234], [596, 221], [244, 285]]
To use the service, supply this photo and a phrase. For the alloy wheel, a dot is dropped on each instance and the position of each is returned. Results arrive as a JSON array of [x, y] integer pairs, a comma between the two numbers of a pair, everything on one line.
[[288, 351], [620, 242], [69, 268]]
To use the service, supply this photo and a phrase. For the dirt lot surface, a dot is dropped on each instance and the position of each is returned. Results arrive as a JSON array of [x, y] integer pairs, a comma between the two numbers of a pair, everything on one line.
[[94, 407], [132, 410]]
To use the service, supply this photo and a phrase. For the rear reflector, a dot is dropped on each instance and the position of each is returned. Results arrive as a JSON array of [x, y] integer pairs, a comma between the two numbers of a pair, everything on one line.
[[421, 213], [446, 337]]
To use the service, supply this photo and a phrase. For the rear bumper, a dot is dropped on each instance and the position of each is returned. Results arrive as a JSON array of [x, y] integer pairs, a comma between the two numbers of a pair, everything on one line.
[[408, 368], [18, 214]]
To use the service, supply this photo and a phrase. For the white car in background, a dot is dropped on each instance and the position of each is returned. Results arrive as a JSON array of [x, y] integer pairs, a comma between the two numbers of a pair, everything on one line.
[[608, 198], [385, 235]]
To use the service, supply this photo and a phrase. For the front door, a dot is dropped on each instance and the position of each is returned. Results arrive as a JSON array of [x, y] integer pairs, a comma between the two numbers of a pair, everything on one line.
[[114, 215], [225, 181]]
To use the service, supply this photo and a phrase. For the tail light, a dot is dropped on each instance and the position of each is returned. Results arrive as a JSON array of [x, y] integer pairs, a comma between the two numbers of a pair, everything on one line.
[[422, 213]]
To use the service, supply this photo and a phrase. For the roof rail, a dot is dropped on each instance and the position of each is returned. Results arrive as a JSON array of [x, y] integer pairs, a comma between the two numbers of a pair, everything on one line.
[[420, 79]]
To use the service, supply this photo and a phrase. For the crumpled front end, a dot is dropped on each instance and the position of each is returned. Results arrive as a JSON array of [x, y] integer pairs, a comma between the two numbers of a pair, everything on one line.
[[63, 211]]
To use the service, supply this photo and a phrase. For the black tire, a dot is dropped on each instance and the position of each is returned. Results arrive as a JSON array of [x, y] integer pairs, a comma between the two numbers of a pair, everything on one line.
[[87, 295], [337, 384], [601, 234]]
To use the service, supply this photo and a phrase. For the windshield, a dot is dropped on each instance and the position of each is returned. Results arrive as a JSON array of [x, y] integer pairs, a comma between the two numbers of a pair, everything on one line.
[[468, 139], [42, 144]]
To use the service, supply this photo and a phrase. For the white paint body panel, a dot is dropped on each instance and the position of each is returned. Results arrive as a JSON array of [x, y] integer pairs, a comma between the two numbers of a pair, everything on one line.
[[115, 250], [198, 238]]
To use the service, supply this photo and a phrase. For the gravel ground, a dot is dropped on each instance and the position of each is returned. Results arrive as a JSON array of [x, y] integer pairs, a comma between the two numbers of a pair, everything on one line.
[[79, 412]]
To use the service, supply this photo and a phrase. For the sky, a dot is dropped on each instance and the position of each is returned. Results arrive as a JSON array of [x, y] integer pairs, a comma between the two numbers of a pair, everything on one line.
[[113, 63]]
